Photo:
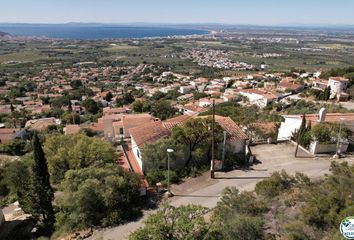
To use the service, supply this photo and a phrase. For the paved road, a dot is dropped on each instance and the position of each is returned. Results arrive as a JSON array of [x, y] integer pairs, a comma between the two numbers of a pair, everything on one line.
[[206, 191]]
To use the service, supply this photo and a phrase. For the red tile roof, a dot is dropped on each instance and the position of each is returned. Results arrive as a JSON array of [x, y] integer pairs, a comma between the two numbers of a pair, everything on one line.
[[339, 79], [290, 85], [234, 131], [176, 121], [8, 134], [132, 160], [148, 133], [72, 129]]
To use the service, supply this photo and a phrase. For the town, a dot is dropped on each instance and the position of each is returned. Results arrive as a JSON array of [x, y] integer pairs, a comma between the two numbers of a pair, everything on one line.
[[217, 134]]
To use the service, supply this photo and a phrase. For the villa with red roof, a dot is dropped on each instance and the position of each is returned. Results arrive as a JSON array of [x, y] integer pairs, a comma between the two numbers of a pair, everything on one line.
[[153, 131]]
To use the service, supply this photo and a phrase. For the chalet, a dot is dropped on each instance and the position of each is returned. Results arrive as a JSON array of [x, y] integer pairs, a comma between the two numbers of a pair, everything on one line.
[[320, 84], [41, 124], [338, 85], [186, 89], [146, 133], [7, 135], [117, 126], [290, 85], [259, 97], [191, 109], [152, 132]]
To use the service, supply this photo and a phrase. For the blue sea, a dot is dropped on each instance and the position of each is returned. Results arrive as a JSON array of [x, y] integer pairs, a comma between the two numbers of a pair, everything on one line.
[[90, 32]]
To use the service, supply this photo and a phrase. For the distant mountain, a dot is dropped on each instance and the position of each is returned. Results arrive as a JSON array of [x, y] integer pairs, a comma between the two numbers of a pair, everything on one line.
[[3, 34]]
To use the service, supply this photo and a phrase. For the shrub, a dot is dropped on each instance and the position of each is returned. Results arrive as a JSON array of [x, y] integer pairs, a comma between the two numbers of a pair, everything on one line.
[[276, 183]]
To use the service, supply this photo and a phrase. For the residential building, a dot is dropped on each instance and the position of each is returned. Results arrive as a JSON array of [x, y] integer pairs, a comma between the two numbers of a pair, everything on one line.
[[151, 132], [320, 84], [146, 133], [292, 123], [290, 85], [259, 97], [7, 135], [117, 126], [186, 89], [41, 124], [338, 85]]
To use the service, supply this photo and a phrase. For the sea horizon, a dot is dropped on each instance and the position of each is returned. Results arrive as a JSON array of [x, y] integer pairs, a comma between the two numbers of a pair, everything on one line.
[[83, 31]]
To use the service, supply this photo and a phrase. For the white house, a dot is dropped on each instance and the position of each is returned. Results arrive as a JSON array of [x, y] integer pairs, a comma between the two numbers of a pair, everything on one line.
[[338, 85], [147, 133], [151, 132], [186, 89], [293, 122], [259, 97]]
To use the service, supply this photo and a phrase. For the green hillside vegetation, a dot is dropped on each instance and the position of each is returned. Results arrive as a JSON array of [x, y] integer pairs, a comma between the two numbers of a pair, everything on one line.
[[281, 207], [92, 191]]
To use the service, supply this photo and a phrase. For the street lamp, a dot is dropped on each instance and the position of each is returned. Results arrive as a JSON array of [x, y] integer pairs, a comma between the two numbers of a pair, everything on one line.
[[169, 151]]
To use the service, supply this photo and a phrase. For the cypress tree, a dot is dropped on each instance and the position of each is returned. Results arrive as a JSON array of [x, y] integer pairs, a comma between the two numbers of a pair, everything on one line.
[[38, 200], [302, 130], [327, 93]]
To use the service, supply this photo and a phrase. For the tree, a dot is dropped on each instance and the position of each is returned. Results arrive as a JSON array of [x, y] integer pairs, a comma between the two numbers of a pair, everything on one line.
[[196, 133], [38, 200], [321, 133], [91, 106], [127, 98], [139, 106], [178, 223], [109, 97], [102, 196], [233, 202], [75, 84], [163, 110], [155, 154], [75, 152], [325, 95], [243, 228]]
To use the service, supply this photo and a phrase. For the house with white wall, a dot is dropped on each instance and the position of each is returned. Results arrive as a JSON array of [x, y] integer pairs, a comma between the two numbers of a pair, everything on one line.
[[292, 123], [152, 132], [338, 84], [186, 89], [259, 97]]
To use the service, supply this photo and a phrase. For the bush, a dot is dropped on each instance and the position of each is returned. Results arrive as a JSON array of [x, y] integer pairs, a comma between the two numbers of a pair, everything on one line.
[[98, 197], [17, 148], [232, 160], [275, 184], [321, 133], [154, 177], [242, 227]]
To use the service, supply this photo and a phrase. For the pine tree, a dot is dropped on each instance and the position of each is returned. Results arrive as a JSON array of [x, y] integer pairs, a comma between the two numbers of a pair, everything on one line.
[[38, 200]]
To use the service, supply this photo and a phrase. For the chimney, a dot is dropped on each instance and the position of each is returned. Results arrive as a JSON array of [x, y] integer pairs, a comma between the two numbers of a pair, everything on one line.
[[322, 115]]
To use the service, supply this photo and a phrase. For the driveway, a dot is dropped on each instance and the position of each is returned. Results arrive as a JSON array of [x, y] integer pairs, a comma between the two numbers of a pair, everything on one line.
[[206, 192]]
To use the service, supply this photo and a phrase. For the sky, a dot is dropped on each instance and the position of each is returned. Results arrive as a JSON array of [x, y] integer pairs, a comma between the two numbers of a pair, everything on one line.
[[254, 12]]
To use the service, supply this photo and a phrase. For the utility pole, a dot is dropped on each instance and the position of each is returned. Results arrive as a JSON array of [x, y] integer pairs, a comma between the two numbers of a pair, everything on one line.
[[212, 143], [169, 193], [339, 137], [224, 148]]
